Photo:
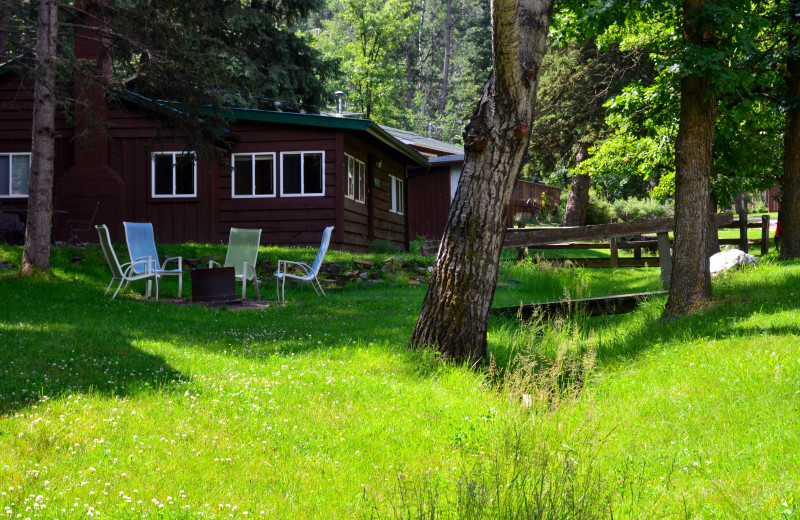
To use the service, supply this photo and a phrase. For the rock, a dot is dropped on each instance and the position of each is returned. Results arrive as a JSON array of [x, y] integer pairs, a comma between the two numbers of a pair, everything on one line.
[[413, 281], [430, 268], [351, 274], [6, 265], [364, 264], [364, 276], [330, 268], [422, 270], [395, 261], [192, 263], [729, 259]]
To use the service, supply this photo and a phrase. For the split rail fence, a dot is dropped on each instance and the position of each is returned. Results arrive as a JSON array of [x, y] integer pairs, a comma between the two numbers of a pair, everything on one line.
[[565, 238]]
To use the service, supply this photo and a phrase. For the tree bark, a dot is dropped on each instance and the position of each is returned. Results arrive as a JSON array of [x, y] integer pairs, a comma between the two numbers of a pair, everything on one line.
[[691, 275], [578, 201], [455, 312], [36, 252], [790, 180], [448, 32]]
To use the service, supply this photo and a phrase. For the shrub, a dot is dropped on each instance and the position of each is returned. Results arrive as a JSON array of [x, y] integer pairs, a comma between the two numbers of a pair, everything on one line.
[[600, 211], [636, 210]]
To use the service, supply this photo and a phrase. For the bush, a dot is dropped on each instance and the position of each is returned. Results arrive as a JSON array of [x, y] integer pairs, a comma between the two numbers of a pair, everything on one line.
[[636, 210], [600, 211]]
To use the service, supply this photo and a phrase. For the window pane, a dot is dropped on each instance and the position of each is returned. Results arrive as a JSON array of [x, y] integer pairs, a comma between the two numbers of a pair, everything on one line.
[[264, 177], [163, 180], [184, 175], [20, 174], [312, 173], [400, 208], [243, 176], [5, 174], [351, 178], [362, 182], [291, 173]]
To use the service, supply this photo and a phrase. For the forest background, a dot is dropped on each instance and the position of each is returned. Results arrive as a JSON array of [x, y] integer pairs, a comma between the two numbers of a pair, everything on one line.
[[608, 102]]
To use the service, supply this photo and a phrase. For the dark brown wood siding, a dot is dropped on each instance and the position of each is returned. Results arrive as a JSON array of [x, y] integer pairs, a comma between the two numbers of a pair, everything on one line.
[[294, 220], [428, 201], [16, 116], [122, 181], [135, 136], [383, 225]]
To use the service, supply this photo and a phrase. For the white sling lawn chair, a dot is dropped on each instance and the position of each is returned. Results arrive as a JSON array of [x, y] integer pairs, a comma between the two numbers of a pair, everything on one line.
[[126, 273], [142, 244], [309, 271], [242, 255]]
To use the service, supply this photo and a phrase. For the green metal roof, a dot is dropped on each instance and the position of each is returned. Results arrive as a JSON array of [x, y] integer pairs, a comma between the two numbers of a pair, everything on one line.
[[323, 121]]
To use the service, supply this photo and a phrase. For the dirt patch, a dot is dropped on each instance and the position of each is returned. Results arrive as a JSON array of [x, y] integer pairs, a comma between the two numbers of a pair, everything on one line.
[[246, 305]]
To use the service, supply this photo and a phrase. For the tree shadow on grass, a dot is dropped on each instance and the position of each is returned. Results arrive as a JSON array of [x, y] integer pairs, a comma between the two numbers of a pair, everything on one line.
[[735, 302], [48, 360]]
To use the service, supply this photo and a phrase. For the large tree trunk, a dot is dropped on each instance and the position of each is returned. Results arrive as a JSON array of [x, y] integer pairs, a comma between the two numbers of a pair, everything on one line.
[[790, 181], [578, 201], [448, 32], [691, 276], [36, 254], [455, 312]]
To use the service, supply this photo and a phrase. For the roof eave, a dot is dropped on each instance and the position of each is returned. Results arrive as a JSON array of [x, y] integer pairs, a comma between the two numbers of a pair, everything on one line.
[[385, 137]]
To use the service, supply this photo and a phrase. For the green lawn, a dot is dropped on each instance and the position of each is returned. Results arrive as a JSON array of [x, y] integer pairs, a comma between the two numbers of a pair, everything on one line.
[[317, 409]]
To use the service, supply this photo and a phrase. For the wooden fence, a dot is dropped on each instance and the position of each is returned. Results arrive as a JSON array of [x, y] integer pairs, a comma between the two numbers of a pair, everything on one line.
[[562, 237]]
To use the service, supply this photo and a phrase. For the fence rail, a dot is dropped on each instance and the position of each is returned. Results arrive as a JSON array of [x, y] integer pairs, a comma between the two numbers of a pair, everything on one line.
[[562, 237]]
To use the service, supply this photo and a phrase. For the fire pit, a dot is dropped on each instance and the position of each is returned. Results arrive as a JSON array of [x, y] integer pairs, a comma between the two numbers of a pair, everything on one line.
[[214, 285]]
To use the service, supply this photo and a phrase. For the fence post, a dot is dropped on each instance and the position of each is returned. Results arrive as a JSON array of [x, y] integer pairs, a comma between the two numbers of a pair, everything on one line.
[[522, 252], [637, 250], [764, 234], [743, 244], [664, 259], [614, 249]]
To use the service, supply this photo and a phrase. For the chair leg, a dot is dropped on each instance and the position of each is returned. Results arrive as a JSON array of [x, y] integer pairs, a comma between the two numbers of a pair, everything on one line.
[[109, 286], [320, 288], [180, 285], [118, 288]]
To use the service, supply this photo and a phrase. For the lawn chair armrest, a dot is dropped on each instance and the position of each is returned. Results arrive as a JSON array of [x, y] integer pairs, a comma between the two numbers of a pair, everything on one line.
[[247, 270], [178, 258], [148, 261], [145, 261], [212, 263], [282, 264]]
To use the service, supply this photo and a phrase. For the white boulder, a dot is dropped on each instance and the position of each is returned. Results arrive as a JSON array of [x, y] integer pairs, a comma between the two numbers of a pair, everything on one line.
[[729, 259]]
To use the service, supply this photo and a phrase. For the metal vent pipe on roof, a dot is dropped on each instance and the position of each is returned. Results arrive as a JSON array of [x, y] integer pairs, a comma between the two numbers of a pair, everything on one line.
[[339, 95]]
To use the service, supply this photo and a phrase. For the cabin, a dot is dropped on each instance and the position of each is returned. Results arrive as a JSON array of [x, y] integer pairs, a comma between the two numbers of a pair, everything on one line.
[[290, 174], [431, 191]]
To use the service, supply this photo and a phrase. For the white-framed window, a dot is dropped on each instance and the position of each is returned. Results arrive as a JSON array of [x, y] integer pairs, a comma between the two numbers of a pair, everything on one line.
[[174, 174], [253, 175], [396, 195], [302, 174], [15, 174], [355, 183]]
